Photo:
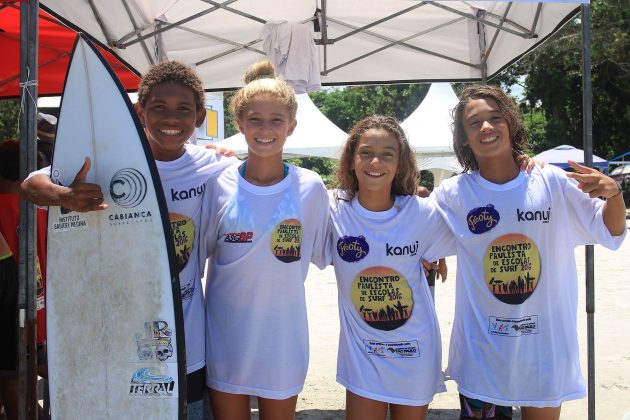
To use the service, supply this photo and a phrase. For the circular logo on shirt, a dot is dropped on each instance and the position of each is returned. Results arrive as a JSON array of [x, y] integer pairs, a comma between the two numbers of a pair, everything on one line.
[[511, 267], [183, 231], [286, 240], [382, 297], [482, 219], [352, 248]]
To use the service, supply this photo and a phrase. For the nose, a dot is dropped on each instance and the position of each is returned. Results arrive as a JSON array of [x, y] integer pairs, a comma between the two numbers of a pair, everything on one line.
[[486, 126]]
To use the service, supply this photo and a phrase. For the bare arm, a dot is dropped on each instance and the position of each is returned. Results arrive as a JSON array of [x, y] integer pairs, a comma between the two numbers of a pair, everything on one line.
[[78, 196], [596, 184]]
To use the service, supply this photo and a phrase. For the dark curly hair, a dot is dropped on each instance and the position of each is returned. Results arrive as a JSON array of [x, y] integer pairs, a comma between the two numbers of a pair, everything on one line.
[[260, 79], [406, 179], [174, 72], [509, 110]]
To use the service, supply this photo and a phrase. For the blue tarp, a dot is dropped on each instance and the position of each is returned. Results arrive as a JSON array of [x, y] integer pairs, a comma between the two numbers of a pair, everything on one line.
[[559, 156]]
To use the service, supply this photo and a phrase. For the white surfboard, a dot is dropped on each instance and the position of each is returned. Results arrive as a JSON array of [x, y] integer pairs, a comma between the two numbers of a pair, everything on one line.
[[115, 326]]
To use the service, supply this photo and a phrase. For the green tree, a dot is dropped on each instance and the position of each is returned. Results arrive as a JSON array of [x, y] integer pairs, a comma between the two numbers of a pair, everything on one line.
[[553, 81], [345, 106], [9, 113]]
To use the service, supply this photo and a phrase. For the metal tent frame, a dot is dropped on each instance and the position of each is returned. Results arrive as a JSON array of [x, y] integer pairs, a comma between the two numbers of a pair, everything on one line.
[[147, 39]]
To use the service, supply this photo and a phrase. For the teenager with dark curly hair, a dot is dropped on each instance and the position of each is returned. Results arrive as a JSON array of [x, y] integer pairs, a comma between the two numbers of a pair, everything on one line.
[[170, 107]]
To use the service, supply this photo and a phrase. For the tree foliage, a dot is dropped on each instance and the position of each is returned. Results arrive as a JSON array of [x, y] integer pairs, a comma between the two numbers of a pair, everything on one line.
[[9, 113], [553, 82], [345, 106]]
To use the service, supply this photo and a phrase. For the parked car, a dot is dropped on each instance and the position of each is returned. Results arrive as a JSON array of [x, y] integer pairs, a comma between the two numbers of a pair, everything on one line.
[[621, 174]]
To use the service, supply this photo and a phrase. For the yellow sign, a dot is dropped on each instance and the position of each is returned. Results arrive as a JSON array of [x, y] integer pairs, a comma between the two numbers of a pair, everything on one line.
[[212, 123]]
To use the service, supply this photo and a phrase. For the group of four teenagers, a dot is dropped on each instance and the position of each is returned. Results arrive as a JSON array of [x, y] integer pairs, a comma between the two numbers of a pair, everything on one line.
[[262, 222]]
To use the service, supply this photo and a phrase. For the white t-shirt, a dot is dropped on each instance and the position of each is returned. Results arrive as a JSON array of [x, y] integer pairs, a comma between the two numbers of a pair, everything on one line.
[[389, 347], [262, 240], [514, 339], [184, 182]]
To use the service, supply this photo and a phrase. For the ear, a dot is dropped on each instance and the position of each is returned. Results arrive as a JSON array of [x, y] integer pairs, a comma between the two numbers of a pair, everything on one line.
[[140, 111], [292, 127], [240, 126], [201, 116]]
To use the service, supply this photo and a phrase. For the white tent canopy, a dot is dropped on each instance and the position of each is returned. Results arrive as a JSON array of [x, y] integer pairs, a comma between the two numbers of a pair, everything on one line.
[[362, 41], [314, 135], [559, 156], [428, 129]]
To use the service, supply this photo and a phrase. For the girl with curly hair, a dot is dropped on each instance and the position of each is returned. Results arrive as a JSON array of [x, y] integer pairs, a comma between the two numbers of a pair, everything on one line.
[[390, 354]]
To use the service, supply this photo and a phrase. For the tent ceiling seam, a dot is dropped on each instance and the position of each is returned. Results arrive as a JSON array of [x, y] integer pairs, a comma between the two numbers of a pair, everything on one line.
[[170, 26], [524, 35], [145, 49]]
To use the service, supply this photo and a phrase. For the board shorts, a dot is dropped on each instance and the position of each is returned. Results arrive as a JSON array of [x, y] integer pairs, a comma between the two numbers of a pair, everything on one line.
[[477, 409], [8, 313]]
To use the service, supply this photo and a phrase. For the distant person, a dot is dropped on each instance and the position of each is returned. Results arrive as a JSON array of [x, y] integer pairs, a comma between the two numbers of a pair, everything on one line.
[[380, 232], [268, 221], [170, 106], [512, 347], [46, 129]]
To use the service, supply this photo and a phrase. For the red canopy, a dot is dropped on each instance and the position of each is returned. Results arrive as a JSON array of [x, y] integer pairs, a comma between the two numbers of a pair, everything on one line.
[[55, 46]]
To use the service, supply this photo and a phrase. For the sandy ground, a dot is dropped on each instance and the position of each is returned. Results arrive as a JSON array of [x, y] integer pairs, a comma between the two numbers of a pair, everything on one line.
[[323, 398]]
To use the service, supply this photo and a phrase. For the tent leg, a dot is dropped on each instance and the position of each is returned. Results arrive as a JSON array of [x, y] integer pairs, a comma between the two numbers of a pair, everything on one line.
[[587, 130], [27, 357]]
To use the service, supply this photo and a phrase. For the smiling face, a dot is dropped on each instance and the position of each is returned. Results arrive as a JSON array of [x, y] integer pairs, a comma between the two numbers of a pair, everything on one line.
[[266, 124], [375, 162], [170, 116], [487, 131]]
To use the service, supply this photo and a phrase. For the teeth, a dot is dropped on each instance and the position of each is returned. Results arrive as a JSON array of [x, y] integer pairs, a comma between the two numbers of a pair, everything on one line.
[[264, 140], [171, 132], [489, 139], [375, 173]]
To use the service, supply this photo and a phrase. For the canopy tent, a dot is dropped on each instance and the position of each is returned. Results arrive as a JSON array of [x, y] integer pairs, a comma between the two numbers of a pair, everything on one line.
[[360, 41], [559, 156], [55, 45], [428, 129], [315, 135]]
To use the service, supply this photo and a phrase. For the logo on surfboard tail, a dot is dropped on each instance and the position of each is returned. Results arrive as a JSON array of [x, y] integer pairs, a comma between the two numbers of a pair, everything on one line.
[[156, 341], [151, 382]]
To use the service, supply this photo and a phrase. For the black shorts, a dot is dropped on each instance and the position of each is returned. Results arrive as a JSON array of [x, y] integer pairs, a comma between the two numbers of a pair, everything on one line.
[[8, 313], [196, 385]]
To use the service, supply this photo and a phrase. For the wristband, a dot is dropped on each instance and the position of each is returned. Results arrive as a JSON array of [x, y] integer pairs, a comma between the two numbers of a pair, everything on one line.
[[616, 194]]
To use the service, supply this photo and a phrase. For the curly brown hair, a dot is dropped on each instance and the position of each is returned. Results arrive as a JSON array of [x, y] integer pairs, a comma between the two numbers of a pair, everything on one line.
[[260, 79], [173, 72], [406, 179], [509, 110]]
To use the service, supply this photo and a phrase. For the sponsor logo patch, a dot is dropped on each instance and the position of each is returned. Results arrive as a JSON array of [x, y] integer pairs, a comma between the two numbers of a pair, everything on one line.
[[533, 216], [239, 237], [156, 341], [513, 327], [352, 248], [482, 219], [392, 250], [151, 382], [401, 349]]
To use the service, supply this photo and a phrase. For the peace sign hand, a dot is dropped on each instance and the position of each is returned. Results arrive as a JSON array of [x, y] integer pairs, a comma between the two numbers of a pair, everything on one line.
[[593, 182]]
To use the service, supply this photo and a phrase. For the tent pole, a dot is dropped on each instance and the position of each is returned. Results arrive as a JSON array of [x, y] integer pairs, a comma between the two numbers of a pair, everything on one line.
[[481, 30], [587, 130], [27, 350]]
